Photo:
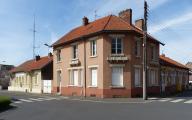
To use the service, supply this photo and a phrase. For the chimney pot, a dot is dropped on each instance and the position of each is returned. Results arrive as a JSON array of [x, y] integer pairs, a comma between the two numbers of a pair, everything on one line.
[[37, 58], [140, 24], [126, 15], [85, 21], [50, 54]]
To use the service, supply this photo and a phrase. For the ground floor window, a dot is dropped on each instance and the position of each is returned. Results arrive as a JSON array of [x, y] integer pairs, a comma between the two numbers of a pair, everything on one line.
[[117, 76], [94, 77], [153, 77], [137, 77], [74, 77]]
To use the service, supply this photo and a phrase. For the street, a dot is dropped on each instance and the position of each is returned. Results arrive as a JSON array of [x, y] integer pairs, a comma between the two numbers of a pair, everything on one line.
[[46, 107]]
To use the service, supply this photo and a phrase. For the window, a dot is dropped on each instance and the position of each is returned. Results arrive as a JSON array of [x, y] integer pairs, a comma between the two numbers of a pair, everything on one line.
[[58, 55], [138, 47], [94, 77], [153, 53], [153, 77], [173, 78], [58, 77], [93, 48], [116, 46], [74, 78], [81, 77], [75, 51], [137, 77], [117, 76]]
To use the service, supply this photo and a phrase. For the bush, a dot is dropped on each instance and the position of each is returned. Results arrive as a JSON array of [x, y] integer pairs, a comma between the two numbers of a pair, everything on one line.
[[4, 102]]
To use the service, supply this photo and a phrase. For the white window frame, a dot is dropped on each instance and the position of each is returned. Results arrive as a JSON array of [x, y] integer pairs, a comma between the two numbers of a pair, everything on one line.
[[137, 83], [58, 55], [75, 51], [72, 74], [116, 46], [121, 80], [93, 48], [93, 83]]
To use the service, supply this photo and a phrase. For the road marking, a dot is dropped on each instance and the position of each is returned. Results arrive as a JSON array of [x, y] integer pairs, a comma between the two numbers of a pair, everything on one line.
[[35, 99], [48, 98], [177, 100], [153, 98], [17, 102], [189, 101], [164, 99], [24, 100]]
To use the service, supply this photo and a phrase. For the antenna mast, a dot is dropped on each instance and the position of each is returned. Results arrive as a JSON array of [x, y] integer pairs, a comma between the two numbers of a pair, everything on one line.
[[34, 35]]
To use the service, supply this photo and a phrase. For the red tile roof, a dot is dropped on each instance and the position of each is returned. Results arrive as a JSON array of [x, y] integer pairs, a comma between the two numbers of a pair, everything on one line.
[[33, 65], [170, 62], [109, 23]]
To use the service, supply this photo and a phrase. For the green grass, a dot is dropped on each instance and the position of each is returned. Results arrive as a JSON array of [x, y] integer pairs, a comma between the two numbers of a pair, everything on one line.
[[4, 102]]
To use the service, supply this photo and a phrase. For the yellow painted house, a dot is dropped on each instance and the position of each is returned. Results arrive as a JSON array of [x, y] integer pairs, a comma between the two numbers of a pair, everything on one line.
[[33, 76]]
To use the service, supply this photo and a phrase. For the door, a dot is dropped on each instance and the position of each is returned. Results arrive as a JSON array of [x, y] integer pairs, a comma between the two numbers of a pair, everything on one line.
[[59, 81], [46, 86]]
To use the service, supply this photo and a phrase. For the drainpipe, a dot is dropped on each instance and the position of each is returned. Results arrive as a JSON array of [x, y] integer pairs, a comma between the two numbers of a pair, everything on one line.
[[85, 80]]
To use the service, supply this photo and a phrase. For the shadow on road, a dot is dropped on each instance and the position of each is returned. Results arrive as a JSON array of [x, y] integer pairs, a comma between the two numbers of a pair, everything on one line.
[[7, 109], [185, 94]]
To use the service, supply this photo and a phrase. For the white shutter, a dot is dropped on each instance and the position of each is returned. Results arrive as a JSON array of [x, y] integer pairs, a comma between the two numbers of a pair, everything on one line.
[[93, 77], [117, 76], [75, 77]]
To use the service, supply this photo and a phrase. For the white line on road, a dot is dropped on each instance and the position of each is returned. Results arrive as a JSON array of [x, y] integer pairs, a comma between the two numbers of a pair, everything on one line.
[[24, 100], [35, 99], [177, 100], [164, 99], [17, 102], [189, 101]]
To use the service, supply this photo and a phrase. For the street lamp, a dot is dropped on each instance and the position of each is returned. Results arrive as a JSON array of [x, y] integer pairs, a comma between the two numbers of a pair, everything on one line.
[[48, 46]]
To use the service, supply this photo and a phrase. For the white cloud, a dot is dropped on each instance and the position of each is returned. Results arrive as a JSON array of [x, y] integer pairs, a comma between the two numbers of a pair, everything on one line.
[[181, 19]]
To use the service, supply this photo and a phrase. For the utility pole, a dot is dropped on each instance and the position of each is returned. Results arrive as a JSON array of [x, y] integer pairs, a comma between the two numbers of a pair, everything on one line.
[[145, 52], [34, 33]]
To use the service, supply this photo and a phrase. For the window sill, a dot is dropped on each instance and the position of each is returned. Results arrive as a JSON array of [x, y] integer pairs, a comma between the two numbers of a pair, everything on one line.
[[138, 86], [93, 56], [74, 86], [74, 59], [92, 86], [117, 87], [58, 62]]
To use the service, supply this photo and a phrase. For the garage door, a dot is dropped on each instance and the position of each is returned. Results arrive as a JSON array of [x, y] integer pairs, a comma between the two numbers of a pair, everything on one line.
[[46, 86]]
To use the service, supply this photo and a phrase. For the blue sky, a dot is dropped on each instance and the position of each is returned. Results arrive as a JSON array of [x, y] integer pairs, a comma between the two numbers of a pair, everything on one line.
[[170, 21]]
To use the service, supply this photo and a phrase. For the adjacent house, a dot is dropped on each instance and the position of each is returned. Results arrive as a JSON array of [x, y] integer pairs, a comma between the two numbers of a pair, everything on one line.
[[33, 76], [103, 59], [189, 65], [4, 75], [174, 75]]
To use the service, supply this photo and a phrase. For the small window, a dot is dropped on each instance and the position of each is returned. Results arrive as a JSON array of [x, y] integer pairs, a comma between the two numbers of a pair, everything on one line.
[[116, 46], [75, 51], [117, 76], [58, 55], [153, 77], [138, 48], [94, 77], [137, 77], [93, 48]]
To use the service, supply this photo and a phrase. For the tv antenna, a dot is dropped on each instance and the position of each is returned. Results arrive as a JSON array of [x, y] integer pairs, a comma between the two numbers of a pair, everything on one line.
[[34, 36]]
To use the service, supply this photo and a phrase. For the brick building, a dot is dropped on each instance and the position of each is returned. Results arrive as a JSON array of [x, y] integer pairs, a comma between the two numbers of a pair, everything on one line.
[[103, 58]]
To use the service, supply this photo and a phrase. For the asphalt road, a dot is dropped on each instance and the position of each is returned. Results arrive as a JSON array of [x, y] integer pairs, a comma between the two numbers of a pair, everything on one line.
[[56, 108]]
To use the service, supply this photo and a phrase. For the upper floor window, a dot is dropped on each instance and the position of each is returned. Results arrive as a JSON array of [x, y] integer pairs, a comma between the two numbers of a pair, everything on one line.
[[116, 45], [75, 51], [154, 54], [137, 47], [58, 55], [93, 47]]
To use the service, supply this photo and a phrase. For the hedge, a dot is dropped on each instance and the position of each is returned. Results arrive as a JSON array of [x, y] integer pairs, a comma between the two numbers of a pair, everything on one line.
[[4, 102]]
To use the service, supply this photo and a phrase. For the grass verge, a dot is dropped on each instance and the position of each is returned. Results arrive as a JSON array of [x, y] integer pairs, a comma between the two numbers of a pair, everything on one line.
[[4, 102]]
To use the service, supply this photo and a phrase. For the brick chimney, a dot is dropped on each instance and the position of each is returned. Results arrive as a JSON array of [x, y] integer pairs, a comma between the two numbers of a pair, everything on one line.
[[37, 58], [126, 15], [139, 24], [85, 21], [163, 55], [50, 55]]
